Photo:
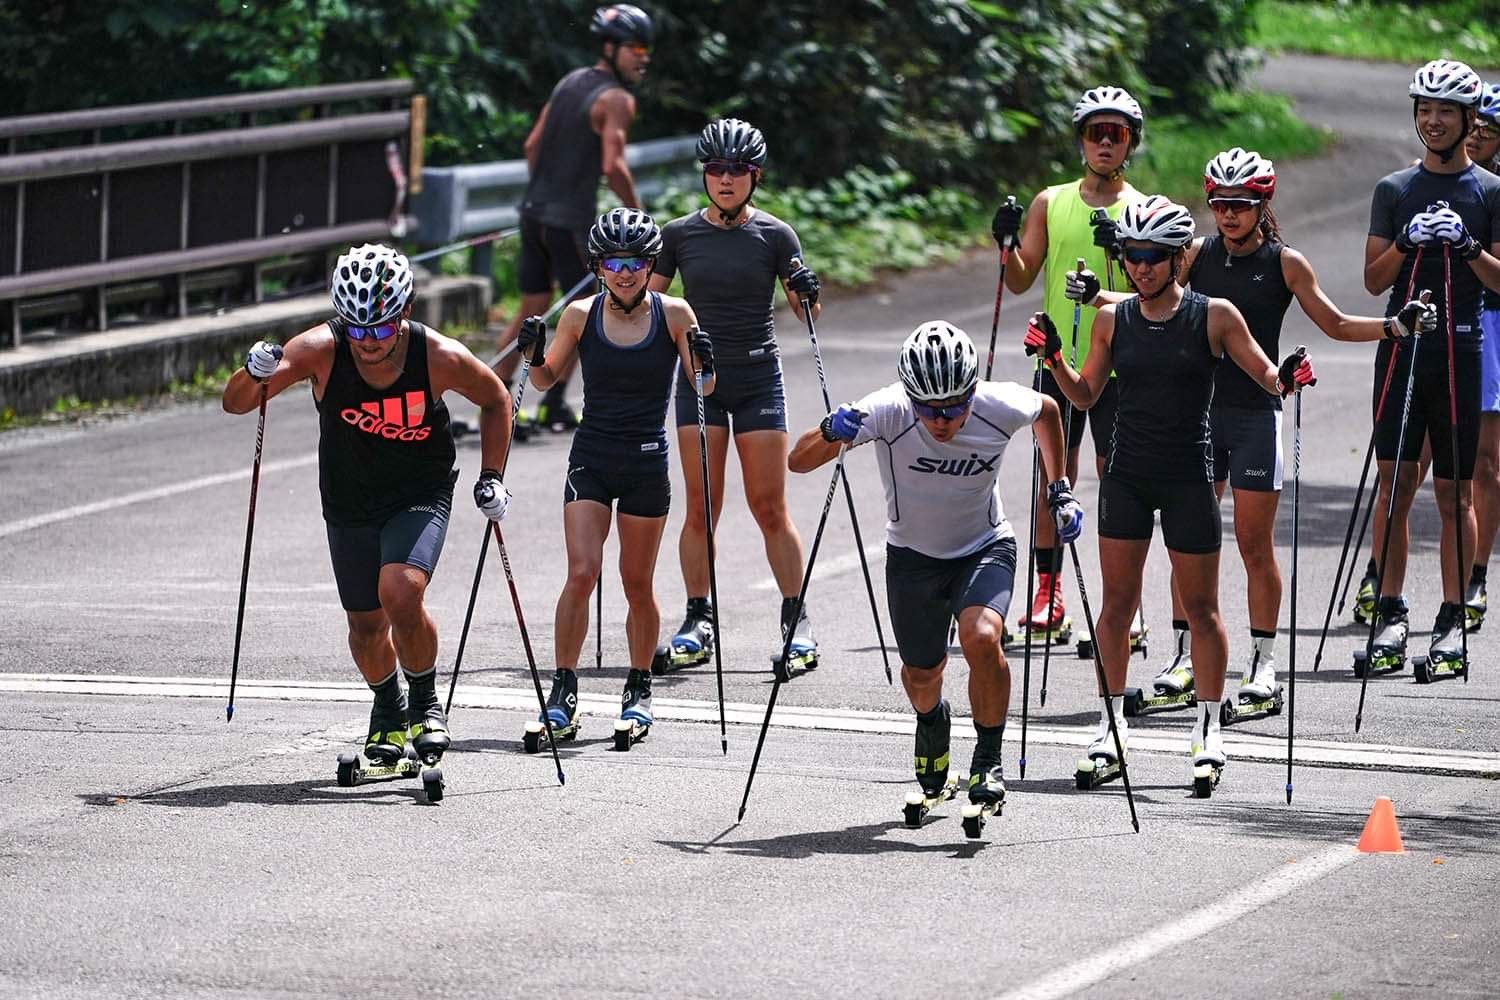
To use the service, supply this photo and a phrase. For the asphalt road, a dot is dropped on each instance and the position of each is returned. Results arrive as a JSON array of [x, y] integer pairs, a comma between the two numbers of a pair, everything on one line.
[[150, 849]]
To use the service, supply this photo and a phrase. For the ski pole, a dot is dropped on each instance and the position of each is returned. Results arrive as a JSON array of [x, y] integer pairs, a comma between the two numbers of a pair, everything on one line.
[[1291, 708], [1036, 386], [786, 648], [859, 542], [1005, 248], [239, 618], [552, 310], [1109, 706], [713, 579], [599, 623], [536, 678], [1055, 570], [1458, 520]]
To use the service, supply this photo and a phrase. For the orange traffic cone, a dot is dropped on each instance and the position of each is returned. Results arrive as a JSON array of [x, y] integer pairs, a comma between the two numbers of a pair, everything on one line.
[[1380, 835]]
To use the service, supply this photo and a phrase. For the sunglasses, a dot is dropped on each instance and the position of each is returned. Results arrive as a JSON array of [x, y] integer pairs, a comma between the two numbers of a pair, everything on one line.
[[1150, 256], [1233, 206], [950, 412], [615, 265], [636, 49], [718, 168], [1486, 131], [1113, 131], [384, 331]]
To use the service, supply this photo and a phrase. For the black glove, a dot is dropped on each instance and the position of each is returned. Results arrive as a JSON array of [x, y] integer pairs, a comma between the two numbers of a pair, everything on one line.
[[1006, 224], [703, 350], [1106, 233], [1081, 286], [804, 281], [1042, 338], [1404, 242], [1296, 371], [533, 338]]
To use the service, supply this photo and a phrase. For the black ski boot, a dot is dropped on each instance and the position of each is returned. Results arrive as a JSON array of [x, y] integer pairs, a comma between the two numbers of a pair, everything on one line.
[[1388, 651], [1445, 656], [562, 713], [986, 781], [635, 710], [386, 753], [931, 762], [694, 642]]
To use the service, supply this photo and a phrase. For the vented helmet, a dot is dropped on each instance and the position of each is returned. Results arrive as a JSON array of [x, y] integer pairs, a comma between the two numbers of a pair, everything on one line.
[[623, 232], [1156, 220], [938, 361], [1489, 103], [371, 284], [1447, 80], [1112, 100], [732, 140], [1240, 168], [622, 22]]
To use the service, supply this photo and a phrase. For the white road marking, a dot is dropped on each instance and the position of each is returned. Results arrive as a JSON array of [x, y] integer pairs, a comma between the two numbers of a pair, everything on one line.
[[831, 567], [1239, 746], [1174, 934], [171, 489]]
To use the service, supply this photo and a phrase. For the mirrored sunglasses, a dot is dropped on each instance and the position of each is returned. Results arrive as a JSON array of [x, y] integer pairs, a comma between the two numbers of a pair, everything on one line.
[[637, 49], [382, 332], [1150, 256], [1233, 206], [950, 412], [718, 168], [1113, 131], [615, 265]]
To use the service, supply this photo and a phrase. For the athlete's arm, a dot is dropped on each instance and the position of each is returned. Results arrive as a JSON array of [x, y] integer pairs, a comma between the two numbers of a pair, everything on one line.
[[308, 355], [1382, 264], [450, 365], [1303, 282], [812, 450], [1047, 428], [612, 114], [1487, 268], [564, 343], [680, 320], [1025, 261], [658, 283], [533, 141], [1084, 388], [1229, 334]]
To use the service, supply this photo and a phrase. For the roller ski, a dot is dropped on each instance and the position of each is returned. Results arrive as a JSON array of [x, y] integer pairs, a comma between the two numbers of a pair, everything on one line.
[[1387, 653], [1171, 689], [386, 754], [635, 710], [1365, 601], [1208, 752], [1140, 637], [693, 645], [1445, 656], [1100, 763], [1048, 622], [930, 761], [427, 735], [562, 713], [986, 787], [556, 415], [1476, 603], [1259, 694], [802, 655], [919, 804]]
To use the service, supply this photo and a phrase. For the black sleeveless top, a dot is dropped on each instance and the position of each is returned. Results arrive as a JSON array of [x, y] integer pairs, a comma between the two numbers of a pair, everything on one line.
[[1166, 383], [1256, 286], [625, 395], [382, 450], [564, 186]]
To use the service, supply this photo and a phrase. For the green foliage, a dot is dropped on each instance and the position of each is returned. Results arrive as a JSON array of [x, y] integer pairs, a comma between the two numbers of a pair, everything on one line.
[[1468, 30]]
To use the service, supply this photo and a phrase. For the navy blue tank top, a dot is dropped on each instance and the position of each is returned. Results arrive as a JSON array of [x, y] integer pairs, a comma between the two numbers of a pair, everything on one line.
[[382, 450], [625, 394], [1257, 287], [1166, 380]]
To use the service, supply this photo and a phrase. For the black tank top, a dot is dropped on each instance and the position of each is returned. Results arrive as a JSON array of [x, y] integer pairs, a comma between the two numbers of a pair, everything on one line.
[[625, 394], [1166, 380], [1256, 286], [564, 186], [382, 450]]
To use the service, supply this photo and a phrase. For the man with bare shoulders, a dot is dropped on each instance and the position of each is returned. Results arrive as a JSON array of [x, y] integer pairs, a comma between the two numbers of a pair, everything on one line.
[[386, 473], [579, 136]]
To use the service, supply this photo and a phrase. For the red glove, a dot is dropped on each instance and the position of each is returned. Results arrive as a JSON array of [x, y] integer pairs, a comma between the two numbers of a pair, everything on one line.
[[1042, 339]]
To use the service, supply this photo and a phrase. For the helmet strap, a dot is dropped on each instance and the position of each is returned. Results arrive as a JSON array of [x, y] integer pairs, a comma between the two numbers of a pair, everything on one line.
[[618, 303], [614, 66], [729, 218], [1171, 280], [1238, 244]]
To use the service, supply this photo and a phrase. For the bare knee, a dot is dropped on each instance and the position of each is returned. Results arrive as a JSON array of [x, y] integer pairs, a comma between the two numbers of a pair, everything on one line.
[[1445, 490], [1259, 558], [367, 629], [401, 602], [638, 588], [769, 512], [982, 632], [582, 577], [1202, 612]]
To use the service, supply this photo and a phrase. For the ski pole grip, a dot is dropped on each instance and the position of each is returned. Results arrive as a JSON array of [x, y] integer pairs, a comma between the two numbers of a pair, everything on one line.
[[1301, 353]]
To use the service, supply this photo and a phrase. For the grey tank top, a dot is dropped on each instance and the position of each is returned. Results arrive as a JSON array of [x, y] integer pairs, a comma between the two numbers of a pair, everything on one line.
[[564, 187]]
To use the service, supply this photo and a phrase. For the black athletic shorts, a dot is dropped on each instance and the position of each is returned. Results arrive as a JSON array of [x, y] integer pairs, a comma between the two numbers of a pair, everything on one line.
[[924, 594], [1429, 414], [1100, 416], [753, 395], [413, 536], [639, 493], [1189, 513], [1247, 447], [550, 256]]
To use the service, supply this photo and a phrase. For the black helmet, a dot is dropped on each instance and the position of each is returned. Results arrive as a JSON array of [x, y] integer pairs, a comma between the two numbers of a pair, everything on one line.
[[622, 22], [732, 140], [624, 232]]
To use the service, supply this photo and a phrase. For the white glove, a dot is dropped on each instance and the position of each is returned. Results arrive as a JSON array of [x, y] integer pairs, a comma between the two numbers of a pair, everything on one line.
[[491, 496], [262, 360]]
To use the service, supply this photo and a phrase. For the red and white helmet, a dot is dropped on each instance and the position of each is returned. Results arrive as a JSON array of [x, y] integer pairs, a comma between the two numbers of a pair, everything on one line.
[[1447, 80], [1156, 220], [1240, 168]]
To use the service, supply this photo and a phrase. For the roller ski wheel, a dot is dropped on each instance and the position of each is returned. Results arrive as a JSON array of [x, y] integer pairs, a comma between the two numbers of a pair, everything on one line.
[[1139, 642], [1096, 770], [432, 783], [1445, 657], [534, 739], [920, 803], [976, 814], [799, 663], [802, 652], [635, 711], [1058, 635], [1427, 670], [629, 732], [1248, 707], [1385, 663], [1138, 702], [354, 768], [693, 645], [1206, 778]]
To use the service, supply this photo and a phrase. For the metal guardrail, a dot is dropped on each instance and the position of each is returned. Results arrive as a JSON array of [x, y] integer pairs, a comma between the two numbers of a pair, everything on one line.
[[462, 201]]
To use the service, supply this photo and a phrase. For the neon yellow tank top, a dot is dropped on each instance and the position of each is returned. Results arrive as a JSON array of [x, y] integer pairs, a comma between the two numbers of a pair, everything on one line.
[[1069, 237]]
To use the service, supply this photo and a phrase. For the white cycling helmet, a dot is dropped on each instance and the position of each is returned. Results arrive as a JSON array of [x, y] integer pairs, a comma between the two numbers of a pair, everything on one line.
[[1447, 80], [1113, 100], [1157, 220], [938, 361], [371, 284], [1241, 168]]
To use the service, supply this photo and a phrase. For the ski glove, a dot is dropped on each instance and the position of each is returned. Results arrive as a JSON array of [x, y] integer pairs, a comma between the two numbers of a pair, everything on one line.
[[1067, 513], [491, 496], [262, 360], [1081, 286], [1447, 226], [1295, 373], [1042, 339], [703, 350], [533, 338], [804, 281], [1006, 225], [1419, 316], [842, 424], [1106, 234]]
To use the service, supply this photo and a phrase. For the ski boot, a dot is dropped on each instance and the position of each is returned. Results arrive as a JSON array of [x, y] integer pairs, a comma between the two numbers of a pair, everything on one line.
[[427, 732], [1476, 602], [1172, 688], [1365, 599], [1048, 622], [1259, 694], [635, 710], [1207, 747], [556, 415], [1387, 653], [694, 642], [931, 762], [803, 652], [524, 428], [986, 784], [386, 754], [1101, 764], [562, 713], [1445, 656]]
